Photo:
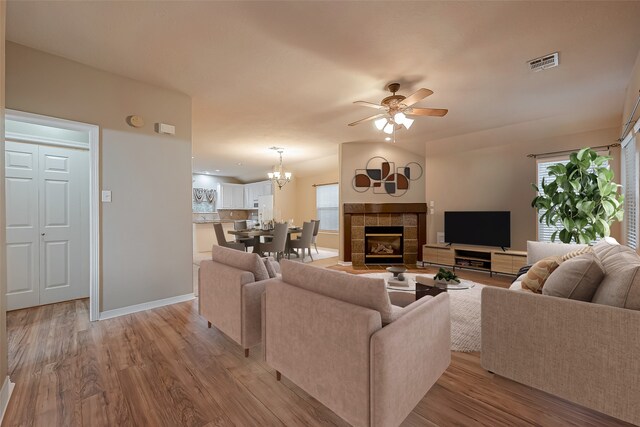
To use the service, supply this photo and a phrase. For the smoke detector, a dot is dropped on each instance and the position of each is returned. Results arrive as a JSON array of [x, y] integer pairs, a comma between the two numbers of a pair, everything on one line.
[[544, 62]]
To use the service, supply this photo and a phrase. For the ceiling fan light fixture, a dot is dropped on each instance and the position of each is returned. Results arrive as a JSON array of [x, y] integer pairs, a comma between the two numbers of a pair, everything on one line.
[[380, 123], [388, 128], [399, 118], [407, 122]]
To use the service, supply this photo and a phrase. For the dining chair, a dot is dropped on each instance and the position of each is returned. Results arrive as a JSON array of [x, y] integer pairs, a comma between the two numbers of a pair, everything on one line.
[[304, 242], [316, 228], [222, 241], [278, 244], [246, 241]]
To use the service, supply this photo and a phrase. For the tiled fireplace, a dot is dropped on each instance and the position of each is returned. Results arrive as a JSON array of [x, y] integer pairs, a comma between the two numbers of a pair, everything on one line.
[[403, 223]]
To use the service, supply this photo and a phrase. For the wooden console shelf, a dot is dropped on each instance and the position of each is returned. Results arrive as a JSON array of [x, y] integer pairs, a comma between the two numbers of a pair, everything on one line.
[[475, 258]]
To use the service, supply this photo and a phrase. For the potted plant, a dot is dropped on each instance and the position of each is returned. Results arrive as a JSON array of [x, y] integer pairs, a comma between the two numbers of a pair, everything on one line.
[[582, 197], [445, 277]]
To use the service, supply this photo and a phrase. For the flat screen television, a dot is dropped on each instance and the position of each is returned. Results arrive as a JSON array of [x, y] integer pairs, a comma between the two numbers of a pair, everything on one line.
[[482, 228]]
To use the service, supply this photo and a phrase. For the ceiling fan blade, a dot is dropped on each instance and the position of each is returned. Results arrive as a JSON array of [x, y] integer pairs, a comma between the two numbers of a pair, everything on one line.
[[416, 97], [369, 104], [367, 119], [437, 112]]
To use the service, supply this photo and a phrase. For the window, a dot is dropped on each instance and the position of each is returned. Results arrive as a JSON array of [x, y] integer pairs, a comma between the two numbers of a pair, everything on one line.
[[630, 188], [327, 207], [545, 231]]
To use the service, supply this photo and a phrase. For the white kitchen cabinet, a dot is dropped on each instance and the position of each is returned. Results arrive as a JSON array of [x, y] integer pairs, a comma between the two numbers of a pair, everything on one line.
[[254, 190], [230, 196]]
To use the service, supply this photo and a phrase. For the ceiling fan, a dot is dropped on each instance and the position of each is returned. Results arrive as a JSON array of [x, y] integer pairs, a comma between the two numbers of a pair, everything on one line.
[[396, 108]]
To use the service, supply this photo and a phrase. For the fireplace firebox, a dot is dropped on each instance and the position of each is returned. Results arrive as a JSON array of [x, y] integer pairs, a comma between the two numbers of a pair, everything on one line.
[[383, 245]]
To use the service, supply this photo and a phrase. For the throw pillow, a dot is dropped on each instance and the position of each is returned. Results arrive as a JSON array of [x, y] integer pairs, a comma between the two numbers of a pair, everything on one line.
[[573, 254], [578, 278], [271, 268], [539, 273]]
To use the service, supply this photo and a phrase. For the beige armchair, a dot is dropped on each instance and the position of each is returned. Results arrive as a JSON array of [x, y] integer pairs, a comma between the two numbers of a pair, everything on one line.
[[338, 337], [230, 286]]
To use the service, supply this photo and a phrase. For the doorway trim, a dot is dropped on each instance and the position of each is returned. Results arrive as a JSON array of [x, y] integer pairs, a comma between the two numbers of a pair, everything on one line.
[[94, 184]]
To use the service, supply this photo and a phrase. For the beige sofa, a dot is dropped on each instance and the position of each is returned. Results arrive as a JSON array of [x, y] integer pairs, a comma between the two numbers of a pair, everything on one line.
[[585, 352], [230, 286], [338, 337]]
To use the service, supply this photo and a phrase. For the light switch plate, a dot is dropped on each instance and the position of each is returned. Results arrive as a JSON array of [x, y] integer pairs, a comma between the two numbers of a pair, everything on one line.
[[106, 196]]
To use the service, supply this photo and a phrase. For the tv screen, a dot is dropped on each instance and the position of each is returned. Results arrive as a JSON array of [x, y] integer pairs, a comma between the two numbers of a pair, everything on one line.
[[478, 228]]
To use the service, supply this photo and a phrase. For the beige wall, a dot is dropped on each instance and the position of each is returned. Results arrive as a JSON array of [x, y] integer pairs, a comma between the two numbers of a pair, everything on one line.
[[297, 201], [146, 231], [499, 178], [3, 259], [306, 204], [632, 93]]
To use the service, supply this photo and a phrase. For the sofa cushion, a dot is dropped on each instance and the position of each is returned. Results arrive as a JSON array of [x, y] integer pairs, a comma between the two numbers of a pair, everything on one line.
[[241, 260], [539, 250], [539, 272], [577, 278], [363, 291], [621, 284]]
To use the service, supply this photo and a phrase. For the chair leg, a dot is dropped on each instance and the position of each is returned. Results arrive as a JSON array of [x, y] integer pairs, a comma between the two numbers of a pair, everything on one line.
[[278, 376], [209, 324], [310, 256], [246, 352], [316, 248]]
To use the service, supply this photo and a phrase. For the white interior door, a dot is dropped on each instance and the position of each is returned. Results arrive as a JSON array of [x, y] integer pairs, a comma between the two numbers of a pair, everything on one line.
[[23, 228], [63, 180], [55, 230]]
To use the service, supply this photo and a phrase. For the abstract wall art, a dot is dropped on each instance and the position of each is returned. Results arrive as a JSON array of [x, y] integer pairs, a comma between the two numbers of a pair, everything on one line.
[[383, 177]]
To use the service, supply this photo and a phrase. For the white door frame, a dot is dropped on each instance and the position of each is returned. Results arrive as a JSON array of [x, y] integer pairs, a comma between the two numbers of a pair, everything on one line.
[[94, 185]]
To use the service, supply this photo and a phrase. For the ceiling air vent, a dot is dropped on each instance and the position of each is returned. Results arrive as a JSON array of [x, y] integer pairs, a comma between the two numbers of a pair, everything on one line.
[[544, 62]]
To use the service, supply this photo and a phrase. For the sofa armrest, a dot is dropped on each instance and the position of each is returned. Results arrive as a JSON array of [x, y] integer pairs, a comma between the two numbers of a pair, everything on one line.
[[220, 296], [407, 358], [322, 345], [584, 352]]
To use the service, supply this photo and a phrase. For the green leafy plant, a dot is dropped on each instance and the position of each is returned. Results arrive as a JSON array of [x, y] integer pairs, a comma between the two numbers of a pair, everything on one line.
[[581, 196], [446, 275]]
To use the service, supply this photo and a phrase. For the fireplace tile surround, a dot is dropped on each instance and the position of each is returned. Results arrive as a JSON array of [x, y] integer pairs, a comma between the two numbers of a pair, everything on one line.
[[411, 216]]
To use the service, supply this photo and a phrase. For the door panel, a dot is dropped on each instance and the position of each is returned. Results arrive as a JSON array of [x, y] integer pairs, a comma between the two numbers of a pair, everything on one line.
[[22, 275], [56, 203], [63, 181], [47, 194], [56, 262], [23, 237]]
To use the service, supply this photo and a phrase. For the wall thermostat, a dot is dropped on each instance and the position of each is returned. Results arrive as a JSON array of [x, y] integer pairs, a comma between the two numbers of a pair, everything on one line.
[[135, 121]]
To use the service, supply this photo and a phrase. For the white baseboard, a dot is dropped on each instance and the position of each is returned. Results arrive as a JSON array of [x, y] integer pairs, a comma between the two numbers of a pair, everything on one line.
[[5, 395], [345, 263], [145, 306]]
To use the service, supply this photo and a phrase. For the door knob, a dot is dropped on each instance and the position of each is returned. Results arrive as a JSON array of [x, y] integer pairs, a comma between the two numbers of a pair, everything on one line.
[[42, 234]]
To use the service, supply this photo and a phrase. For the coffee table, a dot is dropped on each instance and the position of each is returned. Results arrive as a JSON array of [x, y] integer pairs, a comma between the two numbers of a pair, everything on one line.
[[418, 289]]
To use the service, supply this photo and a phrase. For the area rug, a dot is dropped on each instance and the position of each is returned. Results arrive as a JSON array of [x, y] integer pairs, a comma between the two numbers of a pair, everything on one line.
[[465, 315]]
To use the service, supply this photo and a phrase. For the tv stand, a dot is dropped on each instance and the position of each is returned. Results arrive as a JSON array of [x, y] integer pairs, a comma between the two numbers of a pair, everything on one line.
[[491, 260]]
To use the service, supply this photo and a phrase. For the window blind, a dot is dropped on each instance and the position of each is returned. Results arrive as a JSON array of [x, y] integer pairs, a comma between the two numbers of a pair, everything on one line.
[[327, 207], [630, 184], [545, 231]]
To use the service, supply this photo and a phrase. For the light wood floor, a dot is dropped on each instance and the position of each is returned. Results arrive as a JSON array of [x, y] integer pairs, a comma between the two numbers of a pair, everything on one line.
[[164, 367]]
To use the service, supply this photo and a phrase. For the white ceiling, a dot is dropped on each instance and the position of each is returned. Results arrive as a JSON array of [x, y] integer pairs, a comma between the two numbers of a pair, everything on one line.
[[286, 73]]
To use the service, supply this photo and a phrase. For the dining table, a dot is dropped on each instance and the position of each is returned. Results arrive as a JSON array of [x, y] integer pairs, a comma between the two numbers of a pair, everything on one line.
[[257, 233]]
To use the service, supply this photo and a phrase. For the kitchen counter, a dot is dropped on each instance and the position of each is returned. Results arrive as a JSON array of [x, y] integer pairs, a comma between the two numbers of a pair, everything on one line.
[[211, 221]]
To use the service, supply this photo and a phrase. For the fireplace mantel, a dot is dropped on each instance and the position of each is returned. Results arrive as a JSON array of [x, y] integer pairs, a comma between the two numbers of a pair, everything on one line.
[[412, 216]]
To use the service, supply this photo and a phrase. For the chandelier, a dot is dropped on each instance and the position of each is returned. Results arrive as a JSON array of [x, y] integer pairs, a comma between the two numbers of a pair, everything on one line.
[[278, 176]]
